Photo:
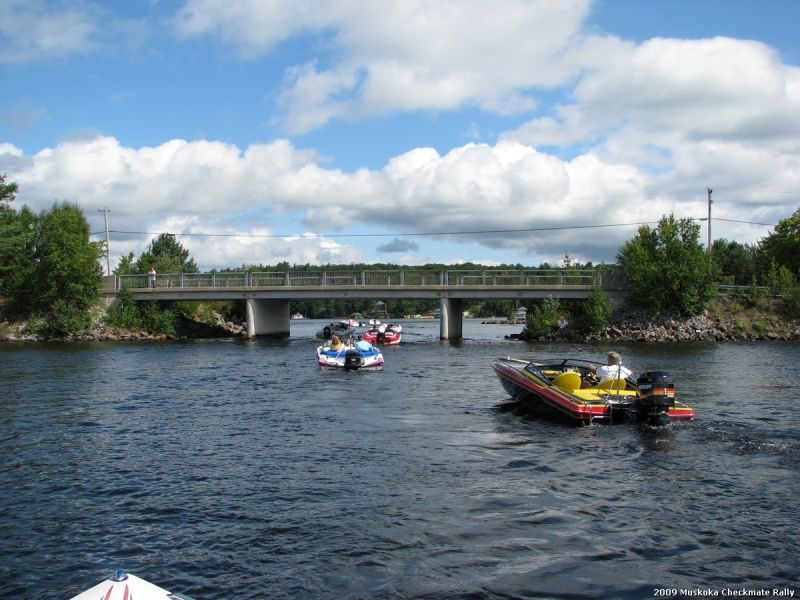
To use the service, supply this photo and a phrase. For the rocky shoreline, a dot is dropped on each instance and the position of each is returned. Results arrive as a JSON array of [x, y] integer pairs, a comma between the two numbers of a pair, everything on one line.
[[188, 330]]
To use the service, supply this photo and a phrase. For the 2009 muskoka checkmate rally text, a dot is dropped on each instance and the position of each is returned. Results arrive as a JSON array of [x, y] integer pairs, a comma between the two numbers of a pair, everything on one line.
[[723, 593]]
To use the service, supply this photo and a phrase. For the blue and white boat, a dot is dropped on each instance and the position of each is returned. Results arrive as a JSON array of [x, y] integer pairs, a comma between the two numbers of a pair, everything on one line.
[[350, 357]]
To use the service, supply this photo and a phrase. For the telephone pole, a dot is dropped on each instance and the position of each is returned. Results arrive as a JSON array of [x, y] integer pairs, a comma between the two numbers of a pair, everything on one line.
[[709, 219], [105, 212]]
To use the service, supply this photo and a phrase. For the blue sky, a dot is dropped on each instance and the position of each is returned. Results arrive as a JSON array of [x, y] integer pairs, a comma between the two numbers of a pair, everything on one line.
[[341, 131]]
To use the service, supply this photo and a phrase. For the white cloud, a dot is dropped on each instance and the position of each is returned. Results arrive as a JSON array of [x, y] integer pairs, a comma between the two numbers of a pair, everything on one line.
[[32, 29], [214, 188], [385, 56]]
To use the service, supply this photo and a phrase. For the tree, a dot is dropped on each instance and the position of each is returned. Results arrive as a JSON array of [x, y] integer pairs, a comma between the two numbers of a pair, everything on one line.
[[735, 261], [166, 255], [63, 276], [783, 245], [594, 313], [668, 268], [8, 191]]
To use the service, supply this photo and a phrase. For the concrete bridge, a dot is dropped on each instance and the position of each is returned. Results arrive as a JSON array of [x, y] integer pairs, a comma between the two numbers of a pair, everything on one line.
[[267, 295]]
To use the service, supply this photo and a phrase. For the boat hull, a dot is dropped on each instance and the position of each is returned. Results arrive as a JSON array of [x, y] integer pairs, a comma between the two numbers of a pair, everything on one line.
[[536, 394]]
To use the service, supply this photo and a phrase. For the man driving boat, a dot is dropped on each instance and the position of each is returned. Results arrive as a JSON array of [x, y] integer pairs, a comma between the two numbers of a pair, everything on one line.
[[612, 370]]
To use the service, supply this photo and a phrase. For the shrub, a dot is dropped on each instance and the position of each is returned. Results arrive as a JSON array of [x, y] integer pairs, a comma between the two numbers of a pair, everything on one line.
[[542, 317], [594, 313]]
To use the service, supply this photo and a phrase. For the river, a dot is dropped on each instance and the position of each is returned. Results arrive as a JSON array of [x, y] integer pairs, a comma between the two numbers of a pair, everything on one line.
[[238, 469]]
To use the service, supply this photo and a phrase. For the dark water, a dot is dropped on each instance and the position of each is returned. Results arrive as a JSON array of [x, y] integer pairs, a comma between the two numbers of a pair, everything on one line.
[[235, 469]]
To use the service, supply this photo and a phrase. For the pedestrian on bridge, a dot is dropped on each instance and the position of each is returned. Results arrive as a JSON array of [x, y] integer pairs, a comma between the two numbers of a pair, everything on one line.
[[151, 274]]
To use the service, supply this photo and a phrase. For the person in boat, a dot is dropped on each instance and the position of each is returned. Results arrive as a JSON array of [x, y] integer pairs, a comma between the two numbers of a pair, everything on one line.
[[612, 370], [336, 343]]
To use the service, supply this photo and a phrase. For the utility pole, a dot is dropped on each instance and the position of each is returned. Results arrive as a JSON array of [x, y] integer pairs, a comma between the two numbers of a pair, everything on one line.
[[709, 220], [105, 212]]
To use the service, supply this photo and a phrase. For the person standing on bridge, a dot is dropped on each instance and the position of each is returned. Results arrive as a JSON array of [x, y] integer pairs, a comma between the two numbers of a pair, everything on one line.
[[151, 275]]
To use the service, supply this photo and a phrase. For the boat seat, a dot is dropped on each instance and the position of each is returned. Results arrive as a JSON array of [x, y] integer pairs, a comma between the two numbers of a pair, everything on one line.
[[568, 381], [611, 384]]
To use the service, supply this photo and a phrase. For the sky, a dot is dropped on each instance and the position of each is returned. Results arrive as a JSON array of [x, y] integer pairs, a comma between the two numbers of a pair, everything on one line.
[[403, 132]]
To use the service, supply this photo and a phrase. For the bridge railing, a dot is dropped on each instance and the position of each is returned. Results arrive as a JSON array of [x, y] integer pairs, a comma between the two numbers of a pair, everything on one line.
[[376, 278]]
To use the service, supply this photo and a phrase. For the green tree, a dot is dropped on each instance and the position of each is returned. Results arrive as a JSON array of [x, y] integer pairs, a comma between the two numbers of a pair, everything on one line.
[[542, 317], [63, 277], [736, 262], [594, 313], [783, 245], [126, 265], [667, 267], [11, 232], [8, 191], [166, 255]]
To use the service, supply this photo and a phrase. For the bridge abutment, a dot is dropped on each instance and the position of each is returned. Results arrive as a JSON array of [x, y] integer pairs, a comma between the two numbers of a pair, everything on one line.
[[451, 318], [267, 317]]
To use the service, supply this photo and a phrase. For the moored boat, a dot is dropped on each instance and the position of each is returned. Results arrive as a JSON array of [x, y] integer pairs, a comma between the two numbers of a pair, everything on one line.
[[124, 586], [567, 389], [352, 356], [389, 334]]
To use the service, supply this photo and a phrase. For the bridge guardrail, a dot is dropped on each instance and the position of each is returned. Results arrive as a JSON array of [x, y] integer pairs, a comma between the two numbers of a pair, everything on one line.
[[377, 278]]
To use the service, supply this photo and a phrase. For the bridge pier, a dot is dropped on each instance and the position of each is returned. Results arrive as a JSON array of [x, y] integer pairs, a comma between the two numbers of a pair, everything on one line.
[[267, 317], [450, 318]]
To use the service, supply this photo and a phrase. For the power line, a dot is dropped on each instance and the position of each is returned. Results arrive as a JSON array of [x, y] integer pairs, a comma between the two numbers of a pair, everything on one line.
[[395, 234], [420, 234]]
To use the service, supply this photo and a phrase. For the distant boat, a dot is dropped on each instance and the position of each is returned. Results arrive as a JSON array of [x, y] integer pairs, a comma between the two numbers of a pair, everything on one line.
[[340, 328], [297, 316]]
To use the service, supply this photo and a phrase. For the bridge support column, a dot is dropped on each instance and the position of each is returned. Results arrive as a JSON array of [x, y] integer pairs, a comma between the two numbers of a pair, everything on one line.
[[267, 317], [450, 318]]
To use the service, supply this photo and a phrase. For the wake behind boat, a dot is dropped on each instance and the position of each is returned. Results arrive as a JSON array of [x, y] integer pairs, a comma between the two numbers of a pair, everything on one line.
[[124, 586], [350, 356], [566, 389]]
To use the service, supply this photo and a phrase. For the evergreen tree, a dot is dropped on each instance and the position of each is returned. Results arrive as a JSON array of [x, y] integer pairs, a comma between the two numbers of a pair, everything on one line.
[[166, 255]]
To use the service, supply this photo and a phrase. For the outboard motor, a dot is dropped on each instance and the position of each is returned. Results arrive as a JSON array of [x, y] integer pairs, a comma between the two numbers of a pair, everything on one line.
[[352, 360], [381, 337], [326, 332], [656, 397]]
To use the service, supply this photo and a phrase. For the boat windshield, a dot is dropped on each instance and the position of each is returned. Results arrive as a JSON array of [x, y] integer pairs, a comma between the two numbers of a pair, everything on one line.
[[534, 370]]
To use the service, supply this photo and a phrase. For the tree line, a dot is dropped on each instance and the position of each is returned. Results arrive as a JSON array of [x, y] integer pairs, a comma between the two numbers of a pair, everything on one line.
[[51, 274]]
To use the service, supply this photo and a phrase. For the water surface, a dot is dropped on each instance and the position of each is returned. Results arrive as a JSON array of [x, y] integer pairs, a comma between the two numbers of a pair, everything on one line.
[[238, 468]]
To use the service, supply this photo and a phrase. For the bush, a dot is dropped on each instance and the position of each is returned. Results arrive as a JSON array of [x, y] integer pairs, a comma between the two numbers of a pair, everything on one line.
[[791, 303], [542, 317], [594, 314], [124, 312], [157, 318]]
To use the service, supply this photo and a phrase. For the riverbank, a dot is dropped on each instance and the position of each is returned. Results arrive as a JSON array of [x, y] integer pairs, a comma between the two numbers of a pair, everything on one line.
[[726, 319], [101, 332]]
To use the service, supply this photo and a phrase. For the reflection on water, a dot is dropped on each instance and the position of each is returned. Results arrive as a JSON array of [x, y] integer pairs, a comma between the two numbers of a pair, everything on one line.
[[236, 467]]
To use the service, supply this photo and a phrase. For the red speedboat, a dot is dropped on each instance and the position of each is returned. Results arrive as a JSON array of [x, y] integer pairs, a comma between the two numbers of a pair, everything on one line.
[[382, 335], [567, 390]]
